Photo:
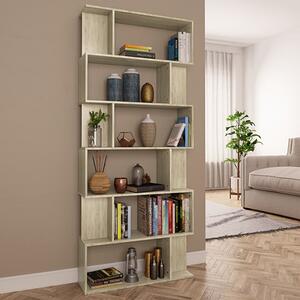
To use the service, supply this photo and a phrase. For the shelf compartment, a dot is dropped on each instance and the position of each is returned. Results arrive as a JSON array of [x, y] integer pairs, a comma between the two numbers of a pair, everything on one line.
[[97, 31], [96, 219], [107, 127]]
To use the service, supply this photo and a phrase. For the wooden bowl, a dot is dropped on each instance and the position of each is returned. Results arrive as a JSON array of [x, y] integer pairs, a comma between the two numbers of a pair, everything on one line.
[[99, 183]]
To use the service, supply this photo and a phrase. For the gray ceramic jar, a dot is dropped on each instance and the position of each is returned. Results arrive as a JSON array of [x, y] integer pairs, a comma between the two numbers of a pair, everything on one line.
[[137, 175], [131, 85], [114, 87]]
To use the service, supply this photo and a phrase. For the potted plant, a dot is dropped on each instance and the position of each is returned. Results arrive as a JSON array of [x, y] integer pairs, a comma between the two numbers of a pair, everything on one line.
[[94, 129], [243, 140]]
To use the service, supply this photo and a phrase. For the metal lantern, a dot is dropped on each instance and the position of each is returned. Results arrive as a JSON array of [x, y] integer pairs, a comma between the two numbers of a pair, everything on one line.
[[131, 266]]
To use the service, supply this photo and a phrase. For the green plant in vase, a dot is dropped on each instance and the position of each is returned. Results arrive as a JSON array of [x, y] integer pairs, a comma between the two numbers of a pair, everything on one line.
[[243, 140], [94, 128]]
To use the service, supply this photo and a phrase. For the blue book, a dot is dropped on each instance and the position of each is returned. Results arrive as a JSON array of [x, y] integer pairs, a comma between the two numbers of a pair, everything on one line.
[[165, 217], [129, 222], [184, 141], [155, 219], [171, 49]]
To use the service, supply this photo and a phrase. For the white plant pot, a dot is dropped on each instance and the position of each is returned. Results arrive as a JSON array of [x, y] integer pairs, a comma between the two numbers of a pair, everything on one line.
[[235, 184]]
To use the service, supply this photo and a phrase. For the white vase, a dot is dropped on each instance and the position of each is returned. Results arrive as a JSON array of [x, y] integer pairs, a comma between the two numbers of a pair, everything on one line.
[[235, 184]]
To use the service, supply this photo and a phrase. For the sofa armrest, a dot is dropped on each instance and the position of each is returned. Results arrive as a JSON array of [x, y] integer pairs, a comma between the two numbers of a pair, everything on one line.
[[251, 163]]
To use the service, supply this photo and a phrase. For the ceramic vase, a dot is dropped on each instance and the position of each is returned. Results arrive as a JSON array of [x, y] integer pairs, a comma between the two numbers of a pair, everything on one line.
[[148, 131], [114, 87], [120, 185], [137, 175], [131, 85], [99, 183]]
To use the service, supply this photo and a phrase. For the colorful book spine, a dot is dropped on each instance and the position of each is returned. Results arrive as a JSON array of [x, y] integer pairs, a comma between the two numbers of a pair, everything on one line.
[[173, 216], [155, 219], [132, 46], [142, 215], [149, 216], [159, 222], [165, 217], [170, 216], [129, 222], [119, 208]]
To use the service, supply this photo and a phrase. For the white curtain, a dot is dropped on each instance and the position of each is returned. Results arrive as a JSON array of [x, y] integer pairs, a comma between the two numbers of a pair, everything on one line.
[[218, 105]]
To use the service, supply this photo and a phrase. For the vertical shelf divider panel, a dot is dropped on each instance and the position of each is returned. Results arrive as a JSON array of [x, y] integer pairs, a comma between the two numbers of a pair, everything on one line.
[[97, 211]]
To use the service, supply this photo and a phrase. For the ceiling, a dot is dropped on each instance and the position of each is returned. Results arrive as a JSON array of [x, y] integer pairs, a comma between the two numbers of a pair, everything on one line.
[[246, 22]]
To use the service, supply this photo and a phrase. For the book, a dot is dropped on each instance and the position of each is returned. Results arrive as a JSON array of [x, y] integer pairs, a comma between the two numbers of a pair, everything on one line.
[[170, 216], [134, 49], [132, 46], [148, 187], [165, 223], [184, 140], [102, 275], [175, 134], [104, 283], [129, 222], [122, 221], [173, 217], [119, 222], [159, 222], [138, 54], [125, 236], [154, 217], [188, 47], [149, 218], [181, 47]]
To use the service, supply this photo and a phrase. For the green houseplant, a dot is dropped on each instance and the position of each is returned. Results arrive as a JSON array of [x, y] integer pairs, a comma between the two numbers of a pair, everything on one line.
[[243, 140], [94, 129]]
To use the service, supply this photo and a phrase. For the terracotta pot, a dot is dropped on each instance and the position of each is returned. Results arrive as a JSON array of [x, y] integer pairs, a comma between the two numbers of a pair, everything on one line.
[[99, 183], [120, 185]]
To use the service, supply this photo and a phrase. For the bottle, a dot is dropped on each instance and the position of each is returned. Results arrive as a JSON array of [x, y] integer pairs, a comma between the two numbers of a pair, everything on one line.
[[161, 269], [153, 273]]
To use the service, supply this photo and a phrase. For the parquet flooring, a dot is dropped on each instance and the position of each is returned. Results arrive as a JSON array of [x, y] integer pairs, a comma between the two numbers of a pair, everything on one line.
[[259, 266]]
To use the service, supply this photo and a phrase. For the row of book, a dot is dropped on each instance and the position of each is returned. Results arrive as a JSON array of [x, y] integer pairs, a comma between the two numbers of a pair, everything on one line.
[[159, 215], [180, 133], [122, 224], [137, 51], [104, 277], [179, 47]]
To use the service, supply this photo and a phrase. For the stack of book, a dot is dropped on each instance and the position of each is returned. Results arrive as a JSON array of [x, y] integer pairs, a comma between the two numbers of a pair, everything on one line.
[[122, 225], [158, 215], [179, 47], [185, 139], [104, 277], [137, 51]]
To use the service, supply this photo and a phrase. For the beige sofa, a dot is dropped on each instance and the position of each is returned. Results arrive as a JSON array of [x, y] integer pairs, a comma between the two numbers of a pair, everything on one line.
[[272, 183]]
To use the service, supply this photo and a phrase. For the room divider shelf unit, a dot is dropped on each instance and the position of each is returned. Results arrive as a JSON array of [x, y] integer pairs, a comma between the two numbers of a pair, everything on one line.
[[99, 44]]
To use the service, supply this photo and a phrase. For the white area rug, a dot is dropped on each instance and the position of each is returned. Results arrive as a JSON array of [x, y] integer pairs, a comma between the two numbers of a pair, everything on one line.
[[224, 221]]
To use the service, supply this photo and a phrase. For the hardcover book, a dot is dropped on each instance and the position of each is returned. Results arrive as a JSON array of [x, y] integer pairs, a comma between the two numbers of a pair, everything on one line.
[[138, 54], [148, 187], [102, 275]]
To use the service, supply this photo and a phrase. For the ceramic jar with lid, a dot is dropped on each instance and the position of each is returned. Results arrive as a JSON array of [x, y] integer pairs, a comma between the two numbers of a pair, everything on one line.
[[131, 85], [114, 87]]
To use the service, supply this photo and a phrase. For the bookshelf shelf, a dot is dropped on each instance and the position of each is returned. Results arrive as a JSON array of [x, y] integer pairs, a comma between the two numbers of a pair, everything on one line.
[[100, 35]]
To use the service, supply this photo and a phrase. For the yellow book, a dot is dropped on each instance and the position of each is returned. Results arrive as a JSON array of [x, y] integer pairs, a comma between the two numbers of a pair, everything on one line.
[[119, 207], [130, 46]]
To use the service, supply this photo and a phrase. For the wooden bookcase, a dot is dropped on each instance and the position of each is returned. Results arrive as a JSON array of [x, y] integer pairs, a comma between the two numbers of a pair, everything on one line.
[[99, 36]]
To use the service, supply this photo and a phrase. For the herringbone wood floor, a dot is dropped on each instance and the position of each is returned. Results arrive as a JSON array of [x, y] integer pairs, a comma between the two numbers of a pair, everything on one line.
[[260, 266]]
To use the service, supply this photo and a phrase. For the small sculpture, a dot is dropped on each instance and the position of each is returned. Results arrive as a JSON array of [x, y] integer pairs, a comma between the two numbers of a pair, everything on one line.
[[147, 93], [126, 139], [146, 179]]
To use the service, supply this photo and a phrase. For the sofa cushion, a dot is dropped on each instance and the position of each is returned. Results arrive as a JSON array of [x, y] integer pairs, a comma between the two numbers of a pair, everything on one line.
[[285, 180]]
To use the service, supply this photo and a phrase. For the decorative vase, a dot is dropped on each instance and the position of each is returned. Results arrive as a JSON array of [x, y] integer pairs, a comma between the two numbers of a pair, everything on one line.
[[99, 183], [147, 93], [137, 175], [148, 131], [94, 136], [114, 87], [131, 85], [120, 185]]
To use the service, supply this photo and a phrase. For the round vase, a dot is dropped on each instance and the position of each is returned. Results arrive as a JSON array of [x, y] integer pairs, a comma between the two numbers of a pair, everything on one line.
[[131, 85], [147, 93], [114, 87], [99, 183], [148, 131]]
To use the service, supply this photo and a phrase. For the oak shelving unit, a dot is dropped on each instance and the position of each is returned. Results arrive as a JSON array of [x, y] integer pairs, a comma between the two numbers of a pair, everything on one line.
[[97, 217]]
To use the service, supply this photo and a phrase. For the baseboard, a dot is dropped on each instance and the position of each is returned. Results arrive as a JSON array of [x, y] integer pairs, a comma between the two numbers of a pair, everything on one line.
[[45, 279]]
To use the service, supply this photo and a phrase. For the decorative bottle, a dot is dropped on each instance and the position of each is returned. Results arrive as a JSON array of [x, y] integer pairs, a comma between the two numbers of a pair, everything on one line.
[[148, 131]]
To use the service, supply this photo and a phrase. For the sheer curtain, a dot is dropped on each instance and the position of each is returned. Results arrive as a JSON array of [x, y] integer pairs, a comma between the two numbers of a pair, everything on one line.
[[218, 105]]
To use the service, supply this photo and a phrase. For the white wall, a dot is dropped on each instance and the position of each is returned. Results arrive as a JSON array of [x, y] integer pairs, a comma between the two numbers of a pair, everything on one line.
[[272, 90]]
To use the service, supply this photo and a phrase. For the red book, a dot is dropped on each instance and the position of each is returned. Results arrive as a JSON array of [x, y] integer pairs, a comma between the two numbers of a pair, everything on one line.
[[159, 221], [170, 215]]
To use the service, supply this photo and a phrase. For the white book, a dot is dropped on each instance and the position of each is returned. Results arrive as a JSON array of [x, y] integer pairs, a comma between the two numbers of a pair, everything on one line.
[[181, 47], [188, 47], [175, 134]]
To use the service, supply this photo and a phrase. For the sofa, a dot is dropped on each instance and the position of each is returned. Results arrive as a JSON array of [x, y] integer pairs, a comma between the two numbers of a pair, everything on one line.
[[272, 183]]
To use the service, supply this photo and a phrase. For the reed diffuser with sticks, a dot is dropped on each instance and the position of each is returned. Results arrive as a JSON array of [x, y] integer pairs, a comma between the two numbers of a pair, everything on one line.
[[99, 183]]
